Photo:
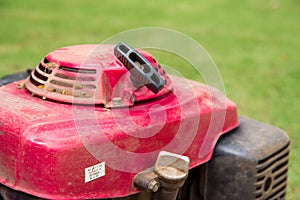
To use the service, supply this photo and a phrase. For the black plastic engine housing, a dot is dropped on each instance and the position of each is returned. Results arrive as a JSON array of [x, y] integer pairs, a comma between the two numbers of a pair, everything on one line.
[[249, 163]]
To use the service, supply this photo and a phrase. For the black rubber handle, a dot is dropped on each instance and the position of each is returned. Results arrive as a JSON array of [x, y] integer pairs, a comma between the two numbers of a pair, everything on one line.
[[139, 67]]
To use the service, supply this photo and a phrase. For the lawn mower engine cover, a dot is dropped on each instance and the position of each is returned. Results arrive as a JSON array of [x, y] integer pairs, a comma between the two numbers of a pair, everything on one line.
[[82, 125]]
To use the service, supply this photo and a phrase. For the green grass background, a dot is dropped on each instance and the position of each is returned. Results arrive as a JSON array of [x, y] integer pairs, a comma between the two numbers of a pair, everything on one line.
[[255, 44]]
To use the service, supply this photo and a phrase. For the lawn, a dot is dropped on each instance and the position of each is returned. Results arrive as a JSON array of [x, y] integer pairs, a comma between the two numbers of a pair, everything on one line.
[[255, 44]]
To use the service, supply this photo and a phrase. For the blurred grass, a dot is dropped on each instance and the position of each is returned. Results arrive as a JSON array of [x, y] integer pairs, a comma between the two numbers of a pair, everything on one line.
[[256, 45]]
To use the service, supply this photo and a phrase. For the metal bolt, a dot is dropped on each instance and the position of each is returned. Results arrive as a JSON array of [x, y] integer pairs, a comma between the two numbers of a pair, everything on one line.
[[153, 186], [117, 101]]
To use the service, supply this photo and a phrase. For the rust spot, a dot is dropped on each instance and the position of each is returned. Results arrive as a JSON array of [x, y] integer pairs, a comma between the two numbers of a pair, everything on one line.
[[61, 83], [52, 65], [21, 85], [69, 93], [171, 171], [76, 94], [78, 86], [50, 89]]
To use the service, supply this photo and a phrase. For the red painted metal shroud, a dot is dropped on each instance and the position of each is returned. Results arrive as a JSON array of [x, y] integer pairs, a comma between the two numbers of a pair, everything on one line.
[[90, 74], [46, 145]]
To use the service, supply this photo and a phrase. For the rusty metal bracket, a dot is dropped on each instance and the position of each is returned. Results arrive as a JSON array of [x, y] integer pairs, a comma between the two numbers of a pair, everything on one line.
[[166, 177]]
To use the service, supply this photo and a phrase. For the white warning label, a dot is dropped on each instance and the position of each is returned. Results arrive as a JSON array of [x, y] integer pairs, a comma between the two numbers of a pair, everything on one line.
[[94, 172]]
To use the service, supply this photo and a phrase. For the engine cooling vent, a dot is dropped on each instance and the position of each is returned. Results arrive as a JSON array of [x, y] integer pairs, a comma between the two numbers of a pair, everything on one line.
[[90, 74], [272, 176], [63, 83]]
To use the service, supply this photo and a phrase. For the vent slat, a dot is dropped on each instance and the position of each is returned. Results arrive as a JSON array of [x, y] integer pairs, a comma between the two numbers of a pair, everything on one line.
[[281, 172], [259, 197], [273, 165], [271, 160], [72, 86], [43, 68], [41, 72], [36, 79], [78, 70], [77, 78], [259, 191], [259, 184], [281, 181], [260, 176], [69, 81], [276, 193], [262, 161], [40, 76]]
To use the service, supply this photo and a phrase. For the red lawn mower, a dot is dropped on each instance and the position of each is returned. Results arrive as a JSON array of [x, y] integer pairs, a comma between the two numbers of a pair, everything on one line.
[[107, 122]]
